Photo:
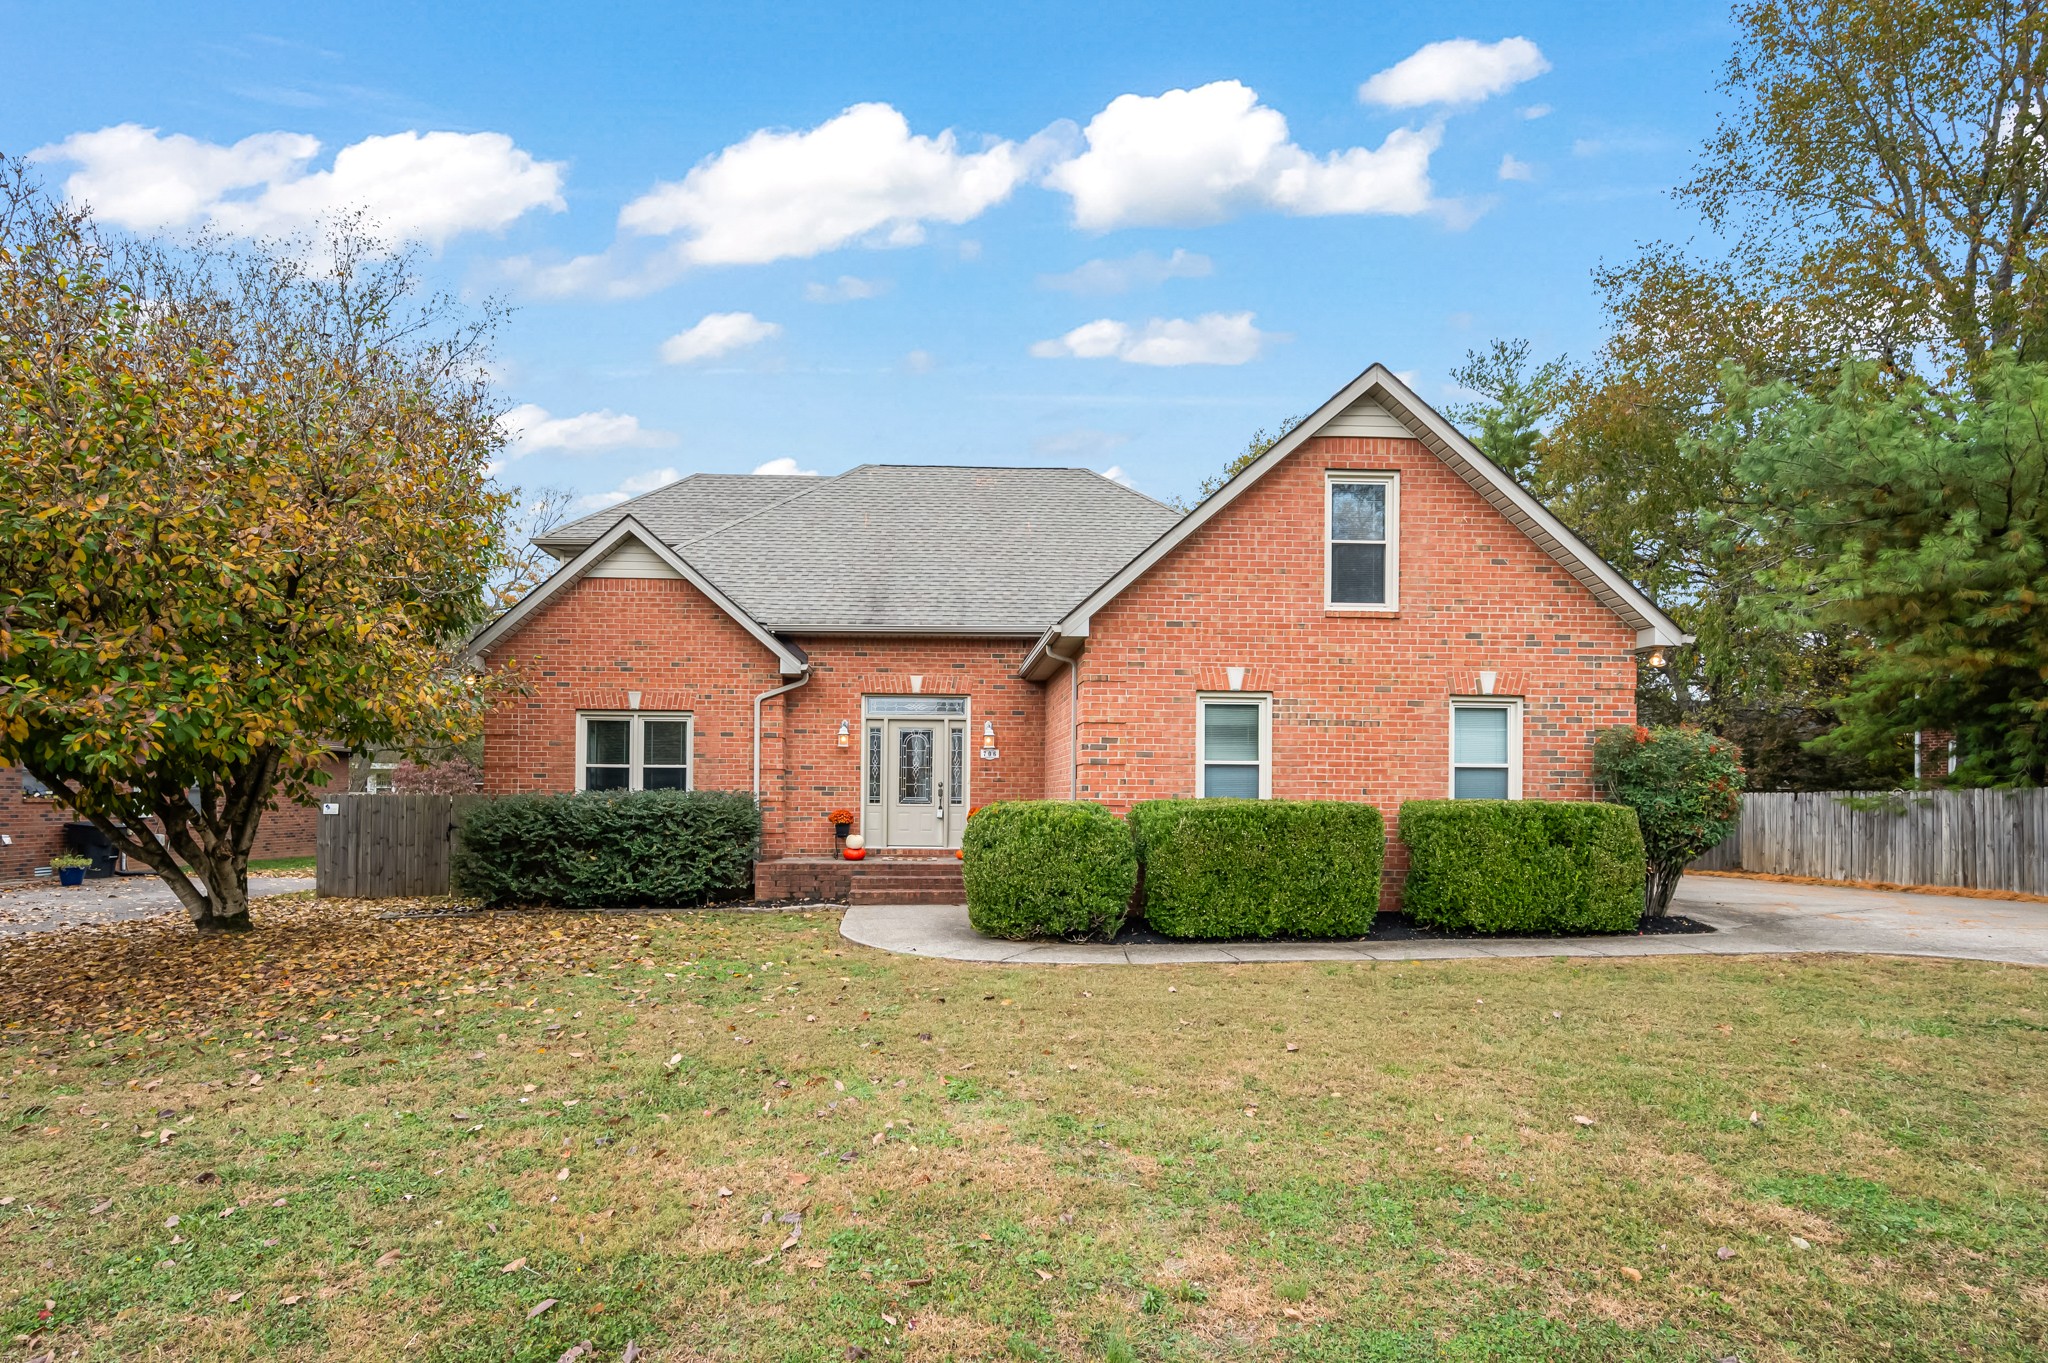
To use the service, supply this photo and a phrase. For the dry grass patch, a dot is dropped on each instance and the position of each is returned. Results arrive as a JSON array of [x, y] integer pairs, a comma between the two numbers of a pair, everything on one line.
[[738, 1137]]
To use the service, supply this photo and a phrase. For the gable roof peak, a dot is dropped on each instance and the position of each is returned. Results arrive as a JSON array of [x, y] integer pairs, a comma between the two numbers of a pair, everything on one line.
[[1428, 426]]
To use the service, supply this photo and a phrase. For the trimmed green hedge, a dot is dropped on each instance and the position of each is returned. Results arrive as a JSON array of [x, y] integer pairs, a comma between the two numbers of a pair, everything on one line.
[[610, 849], [1523, 865], [1048, 868], [1260, 868]]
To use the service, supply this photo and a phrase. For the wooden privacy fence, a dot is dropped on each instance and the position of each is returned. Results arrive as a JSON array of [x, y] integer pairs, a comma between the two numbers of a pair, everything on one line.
[[386, 846], [1976, 839]]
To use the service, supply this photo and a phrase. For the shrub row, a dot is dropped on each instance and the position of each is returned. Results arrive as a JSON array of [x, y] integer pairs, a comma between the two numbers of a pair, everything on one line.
[[1522, 865], [1048, 868], [609, 849], [1259, 868], [1212, 868], [1236, 869]]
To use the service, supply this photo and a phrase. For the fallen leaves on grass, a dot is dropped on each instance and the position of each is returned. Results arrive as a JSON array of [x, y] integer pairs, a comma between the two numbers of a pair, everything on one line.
[[540, 1309], [158, 974]]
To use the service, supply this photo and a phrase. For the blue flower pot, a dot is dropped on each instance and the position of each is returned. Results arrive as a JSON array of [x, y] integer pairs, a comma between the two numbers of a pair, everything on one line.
[[71, 875]]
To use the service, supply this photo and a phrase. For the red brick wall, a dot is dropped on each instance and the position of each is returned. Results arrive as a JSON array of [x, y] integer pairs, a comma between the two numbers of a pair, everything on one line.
[[35, 825], [605, 636], [292, 830], [1360, 702], [595, 641], [818, 775]]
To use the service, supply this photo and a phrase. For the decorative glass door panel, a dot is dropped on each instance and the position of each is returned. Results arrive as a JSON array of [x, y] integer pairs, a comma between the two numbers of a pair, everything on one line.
[[920, 768]]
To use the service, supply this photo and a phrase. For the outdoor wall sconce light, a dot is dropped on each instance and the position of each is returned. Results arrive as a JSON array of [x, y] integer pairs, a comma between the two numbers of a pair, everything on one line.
[[1657, 657], [988, 733], [844, 731]]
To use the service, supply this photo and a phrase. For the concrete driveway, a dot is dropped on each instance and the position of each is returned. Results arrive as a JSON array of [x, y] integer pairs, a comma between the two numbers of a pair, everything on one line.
[[1752, 917], [1778, 917], [41, 907]]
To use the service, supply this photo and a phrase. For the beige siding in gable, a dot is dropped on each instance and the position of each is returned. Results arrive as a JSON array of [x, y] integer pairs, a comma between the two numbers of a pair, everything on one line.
[[632, 559], [1367, 418]]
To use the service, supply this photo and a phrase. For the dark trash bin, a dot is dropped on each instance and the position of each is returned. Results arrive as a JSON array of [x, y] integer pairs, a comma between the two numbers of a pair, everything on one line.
[[85, 840]]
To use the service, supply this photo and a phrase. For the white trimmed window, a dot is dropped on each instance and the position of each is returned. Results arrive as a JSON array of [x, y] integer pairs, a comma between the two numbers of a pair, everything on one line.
[[633, 751], [1486, 750], [1362, 533], [1234, 746]]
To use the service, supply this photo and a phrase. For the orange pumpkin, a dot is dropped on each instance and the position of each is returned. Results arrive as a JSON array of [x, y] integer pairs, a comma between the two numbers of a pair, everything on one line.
[[854, 853]]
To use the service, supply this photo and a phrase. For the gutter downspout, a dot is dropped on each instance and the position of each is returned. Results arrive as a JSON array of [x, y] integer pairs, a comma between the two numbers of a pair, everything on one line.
[[764, 696], [1073, 666]]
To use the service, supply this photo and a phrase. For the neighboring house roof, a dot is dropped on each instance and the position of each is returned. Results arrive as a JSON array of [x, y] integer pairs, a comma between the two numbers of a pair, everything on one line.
[[1378, 403], [898, 548], [790, 659]]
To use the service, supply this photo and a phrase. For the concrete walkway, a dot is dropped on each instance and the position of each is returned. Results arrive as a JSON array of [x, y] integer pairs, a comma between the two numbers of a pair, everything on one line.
[[1752, 917], [41, 907]]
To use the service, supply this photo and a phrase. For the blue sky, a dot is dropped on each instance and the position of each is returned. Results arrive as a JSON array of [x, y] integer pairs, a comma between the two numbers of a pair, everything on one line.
[[1119, 237]]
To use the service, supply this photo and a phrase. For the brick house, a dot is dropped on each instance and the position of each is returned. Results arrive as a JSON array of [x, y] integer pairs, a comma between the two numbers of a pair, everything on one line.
[[32, 823], [1370, 611]]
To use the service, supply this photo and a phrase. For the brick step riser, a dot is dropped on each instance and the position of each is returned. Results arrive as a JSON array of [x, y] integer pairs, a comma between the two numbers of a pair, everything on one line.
[[906, 887], [859, 896]]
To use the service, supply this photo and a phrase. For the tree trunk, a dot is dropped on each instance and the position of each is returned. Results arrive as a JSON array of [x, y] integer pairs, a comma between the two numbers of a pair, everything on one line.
[[1658, 889]]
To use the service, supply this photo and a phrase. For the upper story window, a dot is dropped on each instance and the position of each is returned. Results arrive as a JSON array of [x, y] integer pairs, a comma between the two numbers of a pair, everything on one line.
[[1364, 515], [1486, 750], [1234, 742], [633, 752]]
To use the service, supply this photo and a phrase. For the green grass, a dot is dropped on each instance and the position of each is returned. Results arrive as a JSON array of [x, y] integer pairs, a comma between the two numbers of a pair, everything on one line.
[[282, 866], [1300, 1162]]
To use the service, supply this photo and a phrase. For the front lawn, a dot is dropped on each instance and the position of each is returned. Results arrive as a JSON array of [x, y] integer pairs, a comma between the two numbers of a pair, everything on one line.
[[738, 1137]]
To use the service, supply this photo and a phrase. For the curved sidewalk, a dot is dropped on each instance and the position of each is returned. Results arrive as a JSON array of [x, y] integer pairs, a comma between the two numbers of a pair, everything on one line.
[[1753, 917]]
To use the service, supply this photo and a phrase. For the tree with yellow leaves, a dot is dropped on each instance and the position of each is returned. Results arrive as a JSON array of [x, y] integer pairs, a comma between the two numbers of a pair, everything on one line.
[[245, 515]]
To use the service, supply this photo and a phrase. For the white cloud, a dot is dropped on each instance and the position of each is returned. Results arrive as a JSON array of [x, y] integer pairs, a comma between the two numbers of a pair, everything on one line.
[[719, 333], [1115, 473], [631, 488], [920, 362], [1212, 338], [1455, 71], [1136, 271], [425, 187], [785, 467], [1195, 156], [862, 175], [1512, 169], [1535, 111], [529, 429], [846, 289]]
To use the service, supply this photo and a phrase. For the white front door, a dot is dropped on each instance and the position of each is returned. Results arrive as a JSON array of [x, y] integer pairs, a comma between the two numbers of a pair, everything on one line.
[[923, 777]]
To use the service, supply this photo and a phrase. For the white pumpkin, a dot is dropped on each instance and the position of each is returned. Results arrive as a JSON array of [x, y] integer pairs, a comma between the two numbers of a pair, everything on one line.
[[854, 842]]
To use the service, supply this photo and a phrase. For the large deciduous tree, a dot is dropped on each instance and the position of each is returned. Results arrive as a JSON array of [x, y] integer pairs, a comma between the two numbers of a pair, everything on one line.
[[245, 517]]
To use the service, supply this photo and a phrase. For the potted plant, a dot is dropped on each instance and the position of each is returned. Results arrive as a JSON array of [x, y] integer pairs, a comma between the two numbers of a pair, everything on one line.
[[842, 822], [70, 870]]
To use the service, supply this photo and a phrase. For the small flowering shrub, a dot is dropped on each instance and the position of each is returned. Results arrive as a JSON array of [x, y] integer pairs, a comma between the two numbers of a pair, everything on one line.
[[1685, 786]]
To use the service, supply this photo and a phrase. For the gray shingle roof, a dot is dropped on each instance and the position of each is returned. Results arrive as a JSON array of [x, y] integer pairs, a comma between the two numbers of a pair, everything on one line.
[[682, 510], [899, 547]]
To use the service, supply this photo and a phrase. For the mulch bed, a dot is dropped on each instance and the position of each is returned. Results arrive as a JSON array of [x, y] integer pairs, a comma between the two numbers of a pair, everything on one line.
[[1399, 927]]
